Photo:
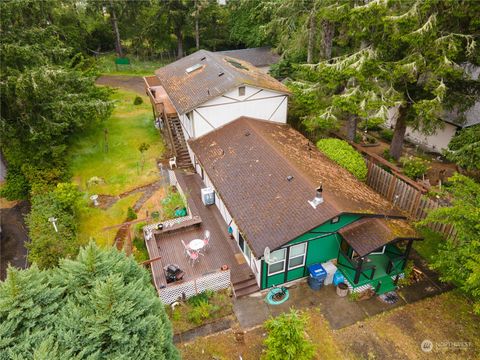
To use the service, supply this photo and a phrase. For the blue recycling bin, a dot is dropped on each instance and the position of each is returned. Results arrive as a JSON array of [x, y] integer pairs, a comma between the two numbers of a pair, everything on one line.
[[317, 276]]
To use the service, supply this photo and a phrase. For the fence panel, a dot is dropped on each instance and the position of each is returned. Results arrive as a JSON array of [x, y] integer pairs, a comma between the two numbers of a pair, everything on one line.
[[404, 196]]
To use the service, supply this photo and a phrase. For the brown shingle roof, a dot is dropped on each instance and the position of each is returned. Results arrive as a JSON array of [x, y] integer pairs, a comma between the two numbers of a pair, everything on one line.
[[250, 174], [251, 178], [367, 235], [260, 56], [216, 76]]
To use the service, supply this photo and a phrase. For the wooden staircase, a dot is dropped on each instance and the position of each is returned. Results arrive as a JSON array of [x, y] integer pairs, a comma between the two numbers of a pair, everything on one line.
[[245, 287], [178, 142]]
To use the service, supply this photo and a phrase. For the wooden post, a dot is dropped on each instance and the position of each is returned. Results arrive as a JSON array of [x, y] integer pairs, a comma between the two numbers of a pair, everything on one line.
[[358, 271], [391, 187], [407, 253]]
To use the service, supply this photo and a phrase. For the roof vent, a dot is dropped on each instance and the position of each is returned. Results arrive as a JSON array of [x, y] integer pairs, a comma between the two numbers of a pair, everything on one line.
[[221, 73], [193, 68], [289, 177], [247, 133], [318, 199], [203, 58]]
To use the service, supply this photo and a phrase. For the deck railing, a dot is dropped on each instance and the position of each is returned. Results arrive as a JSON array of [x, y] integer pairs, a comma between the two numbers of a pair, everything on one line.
[[217, 280]]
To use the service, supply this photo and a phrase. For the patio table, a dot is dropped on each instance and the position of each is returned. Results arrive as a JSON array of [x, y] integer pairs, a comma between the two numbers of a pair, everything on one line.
[[196, 244]]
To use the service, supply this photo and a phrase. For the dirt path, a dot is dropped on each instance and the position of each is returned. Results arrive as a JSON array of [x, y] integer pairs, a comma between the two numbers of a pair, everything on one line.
[[131, 83], [13, 237]]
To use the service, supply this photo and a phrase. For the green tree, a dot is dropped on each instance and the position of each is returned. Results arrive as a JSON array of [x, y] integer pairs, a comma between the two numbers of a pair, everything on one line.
[[458, 260], [404, 54], [286, 338], [464, 148], [101, 305], [46, 97]]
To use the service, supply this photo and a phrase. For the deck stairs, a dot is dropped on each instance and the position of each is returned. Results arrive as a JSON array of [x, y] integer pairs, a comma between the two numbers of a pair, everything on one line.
[[245, 287], [178, 142]]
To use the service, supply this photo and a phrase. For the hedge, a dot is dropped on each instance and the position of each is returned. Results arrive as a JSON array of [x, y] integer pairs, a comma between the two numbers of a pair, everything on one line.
[[344, 155]]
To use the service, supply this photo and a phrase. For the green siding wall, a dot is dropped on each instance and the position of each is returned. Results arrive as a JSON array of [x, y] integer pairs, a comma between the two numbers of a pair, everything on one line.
[[322, 248]]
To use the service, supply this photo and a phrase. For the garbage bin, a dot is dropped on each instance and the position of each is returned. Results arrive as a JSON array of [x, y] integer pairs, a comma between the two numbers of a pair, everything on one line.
[[317, 276]]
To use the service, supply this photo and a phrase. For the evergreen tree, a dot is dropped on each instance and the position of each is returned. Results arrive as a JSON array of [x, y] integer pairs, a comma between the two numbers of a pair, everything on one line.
[[99, 306]]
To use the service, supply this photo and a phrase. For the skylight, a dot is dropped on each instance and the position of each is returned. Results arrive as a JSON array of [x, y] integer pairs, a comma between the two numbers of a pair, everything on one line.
[[193, 68]]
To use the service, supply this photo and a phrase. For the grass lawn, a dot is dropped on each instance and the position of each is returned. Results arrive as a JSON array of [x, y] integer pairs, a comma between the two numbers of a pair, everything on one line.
[[93, 220], [446, 320], [106, 65], [128, 127]]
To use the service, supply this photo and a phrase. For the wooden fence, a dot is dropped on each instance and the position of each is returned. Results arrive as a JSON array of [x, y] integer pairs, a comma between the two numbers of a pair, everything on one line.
[[406, 196]]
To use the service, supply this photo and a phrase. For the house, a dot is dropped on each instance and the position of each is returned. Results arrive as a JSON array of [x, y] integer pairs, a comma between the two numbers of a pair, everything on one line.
[[453, 121], [261, 57], [206, 90], [285, 204]]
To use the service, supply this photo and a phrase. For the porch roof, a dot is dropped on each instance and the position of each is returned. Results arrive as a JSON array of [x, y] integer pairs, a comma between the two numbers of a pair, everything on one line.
[[369, 234]]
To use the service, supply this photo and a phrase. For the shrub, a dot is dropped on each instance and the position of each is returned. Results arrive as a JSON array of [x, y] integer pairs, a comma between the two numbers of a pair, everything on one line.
[[344, 155], [386, 155], [387, 134], [138, 100], [286, 338], [414, 167], [47, 245], [203, 310], [371, 124], [131, 214], [16, 186]]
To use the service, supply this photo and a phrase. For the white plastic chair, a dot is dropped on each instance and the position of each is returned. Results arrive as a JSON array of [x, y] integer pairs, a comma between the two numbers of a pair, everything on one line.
[[173, 162], [206, 239], [193, 255], [186, 248]]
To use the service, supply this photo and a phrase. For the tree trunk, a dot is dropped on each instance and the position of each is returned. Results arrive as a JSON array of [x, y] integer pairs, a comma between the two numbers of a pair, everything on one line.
[[328, 30], [113, 17], [179, 44], [352, 127], [396, 146], [312, 27], [197, 31]]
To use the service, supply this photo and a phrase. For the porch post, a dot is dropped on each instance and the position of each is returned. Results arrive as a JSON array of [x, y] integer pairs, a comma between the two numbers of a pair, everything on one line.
[[407, 253], [358, 271]]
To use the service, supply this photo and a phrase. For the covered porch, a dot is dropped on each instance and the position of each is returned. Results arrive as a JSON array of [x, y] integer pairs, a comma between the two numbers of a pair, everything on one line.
[[371, 255]]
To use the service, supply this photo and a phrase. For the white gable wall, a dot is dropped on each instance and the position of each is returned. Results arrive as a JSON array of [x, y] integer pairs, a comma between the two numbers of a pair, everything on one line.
[[257, 103]]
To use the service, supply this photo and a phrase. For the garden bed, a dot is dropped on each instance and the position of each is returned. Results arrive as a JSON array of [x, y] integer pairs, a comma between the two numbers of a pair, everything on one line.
[[200, 310]]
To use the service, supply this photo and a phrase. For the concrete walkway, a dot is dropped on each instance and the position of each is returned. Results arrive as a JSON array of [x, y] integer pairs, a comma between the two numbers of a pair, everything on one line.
[[340, 312]]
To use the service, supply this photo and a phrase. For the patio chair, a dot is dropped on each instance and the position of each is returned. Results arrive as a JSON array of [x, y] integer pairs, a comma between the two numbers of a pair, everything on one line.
[[206, 239], [193, 255], [172, 162], [186, 248]]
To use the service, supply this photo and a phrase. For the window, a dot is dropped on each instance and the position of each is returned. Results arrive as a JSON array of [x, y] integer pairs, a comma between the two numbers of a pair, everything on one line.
[[279, 265], [241, 91], [297, 256], [335, 220]]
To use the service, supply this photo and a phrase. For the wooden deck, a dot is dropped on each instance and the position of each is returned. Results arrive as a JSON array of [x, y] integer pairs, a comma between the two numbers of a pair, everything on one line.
[[223, 250]]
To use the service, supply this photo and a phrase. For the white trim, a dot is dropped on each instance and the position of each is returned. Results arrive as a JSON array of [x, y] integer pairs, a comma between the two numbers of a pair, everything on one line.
[[283, 261], [297, 256], [378, 252]]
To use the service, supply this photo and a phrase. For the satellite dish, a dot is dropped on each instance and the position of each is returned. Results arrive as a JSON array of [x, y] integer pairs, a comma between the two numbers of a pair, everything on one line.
[[266, 254]]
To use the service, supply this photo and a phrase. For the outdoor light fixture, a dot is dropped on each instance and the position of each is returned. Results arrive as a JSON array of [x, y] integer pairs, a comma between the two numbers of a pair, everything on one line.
[[53, 220]]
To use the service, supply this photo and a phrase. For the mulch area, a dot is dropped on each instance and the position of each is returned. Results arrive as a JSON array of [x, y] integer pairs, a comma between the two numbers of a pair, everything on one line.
[[132, 83]]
